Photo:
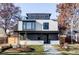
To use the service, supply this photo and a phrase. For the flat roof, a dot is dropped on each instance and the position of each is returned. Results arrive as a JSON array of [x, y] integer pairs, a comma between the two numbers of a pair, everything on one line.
[[38, 13]]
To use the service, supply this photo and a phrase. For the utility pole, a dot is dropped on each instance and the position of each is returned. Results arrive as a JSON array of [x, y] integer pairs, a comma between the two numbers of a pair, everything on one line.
[[72, 29], [72, 26]]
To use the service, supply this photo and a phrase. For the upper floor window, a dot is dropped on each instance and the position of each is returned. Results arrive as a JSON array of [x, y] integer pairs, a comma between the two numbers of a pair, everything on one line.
[[46, 25], [29, 25]]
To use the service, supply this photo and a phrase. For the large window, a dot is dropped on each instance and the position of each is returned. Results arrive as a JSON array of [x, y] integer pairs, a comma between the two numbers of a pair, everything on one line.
[[46, 25], [29, 25]]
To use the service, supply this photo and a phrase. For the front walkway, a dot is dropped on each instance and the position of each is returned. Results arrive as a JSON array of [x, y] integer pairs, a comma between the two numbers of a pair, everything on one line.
[[50, 50]]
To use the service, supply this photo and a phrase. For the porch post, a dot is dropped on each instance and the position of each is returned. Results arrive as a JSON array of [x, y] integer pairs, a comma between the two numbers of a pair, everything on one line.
[[19, 38], [25, 36]]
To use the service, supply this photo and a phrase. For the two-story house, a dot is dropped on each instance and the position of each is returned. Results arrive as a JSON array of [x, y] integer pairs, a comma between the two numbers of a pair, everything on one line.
[[37, 28]]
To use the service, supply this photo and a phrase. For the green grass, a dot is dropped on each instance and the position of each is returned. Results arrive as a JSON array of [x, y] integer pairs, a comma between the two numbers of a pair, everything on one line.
[[38, 51], [73, 49]]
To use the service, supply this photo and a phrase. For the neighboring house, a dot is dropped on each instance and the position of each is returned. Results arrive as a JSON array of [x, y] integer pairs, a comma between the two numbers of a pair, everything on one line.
[[3, 36], [38, 28]]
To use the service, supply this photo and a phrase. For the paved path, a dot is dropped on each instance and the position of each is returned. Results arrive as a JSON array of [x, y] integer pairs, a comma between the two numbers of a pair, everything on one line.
[[50, 50]]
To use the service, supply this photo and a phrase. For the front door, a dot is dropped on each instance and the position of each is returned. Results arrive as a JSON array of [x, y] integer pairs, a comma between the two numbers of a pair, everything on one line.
[[46, 39]]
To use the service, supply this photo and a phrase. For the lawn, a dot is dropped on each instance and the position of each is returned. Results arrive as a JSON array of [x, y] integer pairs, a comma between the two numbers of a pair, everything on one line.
[[73, 49], [38, 51]]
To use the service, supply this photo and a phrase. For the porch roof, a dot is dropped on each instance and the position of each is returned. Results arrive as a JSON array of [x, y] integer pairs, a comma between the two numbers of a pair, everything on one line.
[[46, 32]]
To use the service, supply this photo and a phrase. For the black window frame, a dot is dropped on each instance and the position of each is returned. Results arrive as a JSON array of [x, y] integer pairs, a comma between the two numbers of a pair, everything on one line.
[[46, 25]]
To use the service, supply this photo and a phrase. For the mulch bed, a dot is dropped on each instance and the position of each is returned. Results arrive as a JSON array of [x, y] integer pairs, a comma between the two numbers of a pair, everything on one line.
[[27, 49]]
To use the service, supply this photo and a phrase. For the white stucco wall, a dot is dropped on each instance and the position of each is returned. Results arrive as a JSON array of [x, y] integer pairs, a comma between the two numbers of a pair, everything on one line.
[[53, 25]]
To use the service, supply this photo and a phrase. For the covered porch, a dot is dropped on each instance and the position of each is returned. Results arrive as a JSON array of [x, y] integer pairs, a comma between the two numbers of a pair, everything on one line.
[[38, 37]]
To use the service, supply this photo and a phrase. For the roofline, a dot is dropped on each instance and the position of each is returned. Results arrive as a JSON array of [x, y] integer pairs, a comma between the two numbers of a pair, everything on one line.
[[28, 20], [38, 13], [37, 19]]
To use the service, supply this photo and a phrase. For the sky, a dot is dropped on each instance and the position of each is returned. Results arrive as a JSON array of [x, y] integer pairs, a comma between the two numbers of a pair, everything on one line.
[[38, 8]]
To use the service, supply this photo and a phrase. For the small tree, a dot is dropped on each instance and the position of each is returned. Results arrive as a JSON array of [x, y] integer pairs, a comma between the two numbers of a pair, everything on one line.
[[9, 14]]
